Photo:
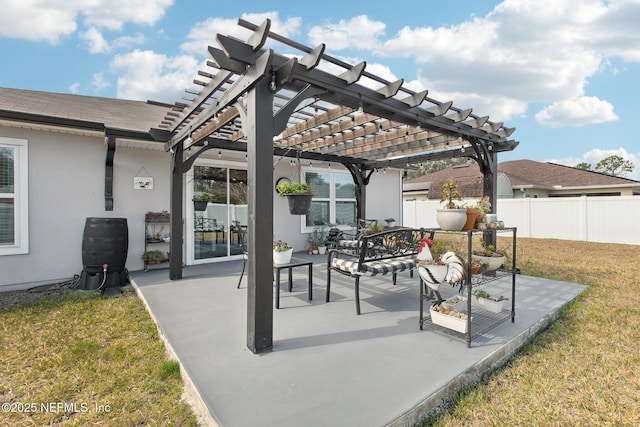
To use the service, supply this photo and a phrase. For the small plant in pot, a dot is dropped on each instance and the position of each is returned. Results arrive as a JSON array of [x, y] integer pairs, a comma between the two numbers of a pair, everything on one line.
[[490, 257], [282, 252], [153, 257], [453, 216], [317, 240], [201, 200], [391, 222], [299, 195], [485, 300]]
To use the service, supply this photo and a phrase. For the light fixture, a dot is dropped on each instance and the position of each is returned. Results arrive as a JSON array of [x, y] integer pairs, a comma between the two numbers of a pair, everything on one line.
[[188, 141], [329, 165], [219, 153]]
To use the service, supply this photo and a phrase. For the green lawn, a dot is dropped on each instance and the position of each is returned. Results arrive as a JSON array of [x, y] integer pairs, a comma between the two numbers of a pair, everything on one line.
[[83, 359], [582, 371]]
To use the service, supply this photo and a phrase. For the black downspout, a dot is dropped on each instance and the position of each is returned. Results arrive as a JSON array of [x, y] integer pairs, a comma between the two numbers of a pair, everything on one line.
[[108, 173]]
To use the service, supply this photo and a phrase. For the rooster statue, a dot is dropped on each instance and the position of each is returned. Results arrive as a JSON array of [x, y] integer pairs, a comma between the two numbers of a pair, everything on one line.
[[452, 270]]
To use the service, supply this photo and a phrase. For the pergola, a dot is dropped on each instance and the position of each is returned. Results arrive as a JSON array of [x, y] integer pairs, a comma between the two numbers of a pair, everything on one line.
[[315, 107]]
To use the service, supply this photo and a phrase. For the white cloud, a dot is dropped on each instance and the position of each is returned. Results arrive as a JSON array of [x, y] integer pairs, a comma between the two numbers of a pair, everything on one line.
[[113, 14], [592, 157], [204, 33], [98, 82], [148, 75], [358, 32], [576, 112], [52, 21], [523, 52], [74, 88], [95, 40], [28, 21]]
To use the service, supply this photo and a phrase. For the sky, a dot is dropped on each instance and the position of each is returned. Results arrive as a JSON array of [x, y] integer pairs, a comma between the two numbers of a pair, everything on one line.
[[564, 73]]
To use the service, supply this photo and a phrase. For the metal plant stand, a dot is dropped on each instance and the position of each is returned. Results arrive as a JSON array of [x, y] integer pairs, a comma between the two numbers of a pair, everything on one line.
[[479, 320]]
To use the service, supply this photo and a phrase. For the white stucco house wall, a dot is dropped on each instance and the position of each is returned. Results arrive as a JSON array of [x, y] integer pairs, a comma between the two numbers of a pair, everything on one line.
[[53, 168]]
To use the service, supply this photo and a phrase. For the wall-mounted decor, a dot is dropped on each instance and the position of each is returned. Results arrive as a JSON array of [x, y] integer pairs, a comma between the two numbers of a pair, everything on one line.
[[143, 180]]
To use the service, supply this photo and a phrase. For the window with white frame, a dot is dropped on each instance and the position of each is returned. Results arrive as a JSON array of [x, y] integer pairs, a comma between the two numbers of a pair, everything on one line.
[[334, 199], [13, 196]]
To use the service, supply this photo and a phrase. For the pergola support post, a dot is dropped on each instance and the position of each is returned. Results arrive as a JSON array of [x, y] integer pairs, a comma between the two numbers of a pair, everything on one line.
[[361, 180], [258, 127], [489, 168], [176, 196]]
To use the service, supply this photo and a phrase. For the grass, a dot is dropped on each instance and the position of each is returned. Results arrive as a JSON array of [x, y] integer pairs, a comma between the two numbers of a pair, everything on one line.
[[83, 359], [583, 369]]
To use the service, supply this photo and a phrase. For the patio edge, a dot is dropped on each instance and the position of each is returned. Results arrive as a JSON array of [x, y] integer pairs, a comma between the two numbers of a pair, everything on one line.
[[190, 392]]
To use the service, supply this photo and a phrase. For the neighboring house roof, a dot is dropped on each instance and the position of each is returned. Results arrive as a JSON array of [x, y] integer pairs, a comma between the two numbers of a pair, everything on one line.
[[522, 173], [82, 111]]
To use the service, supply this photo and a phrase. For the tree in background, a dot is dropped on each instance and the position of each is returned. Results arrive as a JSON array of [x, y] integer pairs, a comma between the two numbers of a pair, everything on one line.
[[615, 166], [584, 166], [435, 166], [612, 165]]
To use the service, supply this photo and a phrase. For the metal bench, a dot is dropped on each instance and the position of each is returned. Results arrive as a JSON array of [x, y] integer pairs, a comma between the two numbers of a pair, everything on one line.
[[381, 253]]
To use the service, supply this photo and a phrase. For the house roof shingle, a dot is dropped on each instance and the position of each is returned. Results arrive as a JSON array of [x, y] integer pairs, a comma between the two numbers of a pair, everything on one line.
[[520, 172], [129, 115]]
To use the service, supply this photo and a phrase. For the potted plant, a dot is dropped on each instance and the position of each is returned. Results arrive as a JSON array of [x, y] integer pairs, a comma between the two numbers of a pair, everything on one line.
[[299, 195], [282, 252], [157, 216], [490, 257], [452, 217], [488, 302], [317, 240], [484, 207], [200, 201], [391, 222], [153, 257], [449, 318]]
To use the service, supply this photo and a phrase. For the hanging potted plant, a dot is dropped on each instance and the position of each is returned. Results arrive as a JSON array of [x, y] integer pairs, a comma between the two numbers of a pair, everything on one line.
[[200, 201], [452, 217], [299, 195]]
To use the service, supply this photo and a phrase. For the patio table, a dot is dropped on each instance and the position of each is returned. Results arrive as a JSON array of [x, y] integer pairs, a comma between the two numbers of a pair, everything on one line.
[[295, 262]]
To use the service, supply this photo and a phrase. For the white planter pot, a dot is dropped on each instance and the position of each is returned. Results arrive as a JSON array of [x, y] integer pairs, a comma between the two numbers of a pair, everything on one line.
[[451, 219], [455, 323], [322, 250], [490, 262], [282, 257], [487, 304]]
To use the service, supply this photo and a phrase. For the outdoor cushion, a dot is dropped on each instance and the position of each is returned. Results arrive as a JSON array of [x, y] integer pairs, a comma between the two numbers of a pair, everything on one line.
[[374, 267]]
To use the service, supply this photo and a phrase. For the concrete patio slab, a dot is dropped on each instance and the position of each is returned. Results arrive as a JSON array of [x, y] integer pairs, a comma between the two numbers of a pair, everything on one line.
[[329, 366]]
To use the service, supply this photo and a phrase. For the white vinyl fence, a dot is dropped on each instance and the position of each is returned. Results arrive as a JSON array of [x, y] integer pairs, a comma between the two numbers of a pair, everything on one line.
[[593, 219]]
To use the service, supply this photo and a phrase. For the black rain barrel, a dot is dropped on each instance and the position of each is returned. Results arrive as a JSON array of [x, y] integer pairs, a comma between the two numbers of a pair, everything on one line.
[[105, 241]]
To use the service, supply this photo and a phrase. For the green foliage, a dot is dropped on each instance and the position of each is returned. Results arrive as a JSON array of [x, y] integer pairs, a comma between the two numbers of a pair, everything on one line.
[[435, 166], [154, 256], [204, 197], [450, 193], [615, 166], [584, 166], [318, 237], [280, 246], [293, 187], [486, 295]]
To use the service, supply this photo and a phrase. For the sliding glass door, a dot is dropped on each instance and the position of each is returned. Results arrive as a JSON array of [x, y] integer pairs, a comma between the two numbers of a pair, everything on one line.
[[216, 229]]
